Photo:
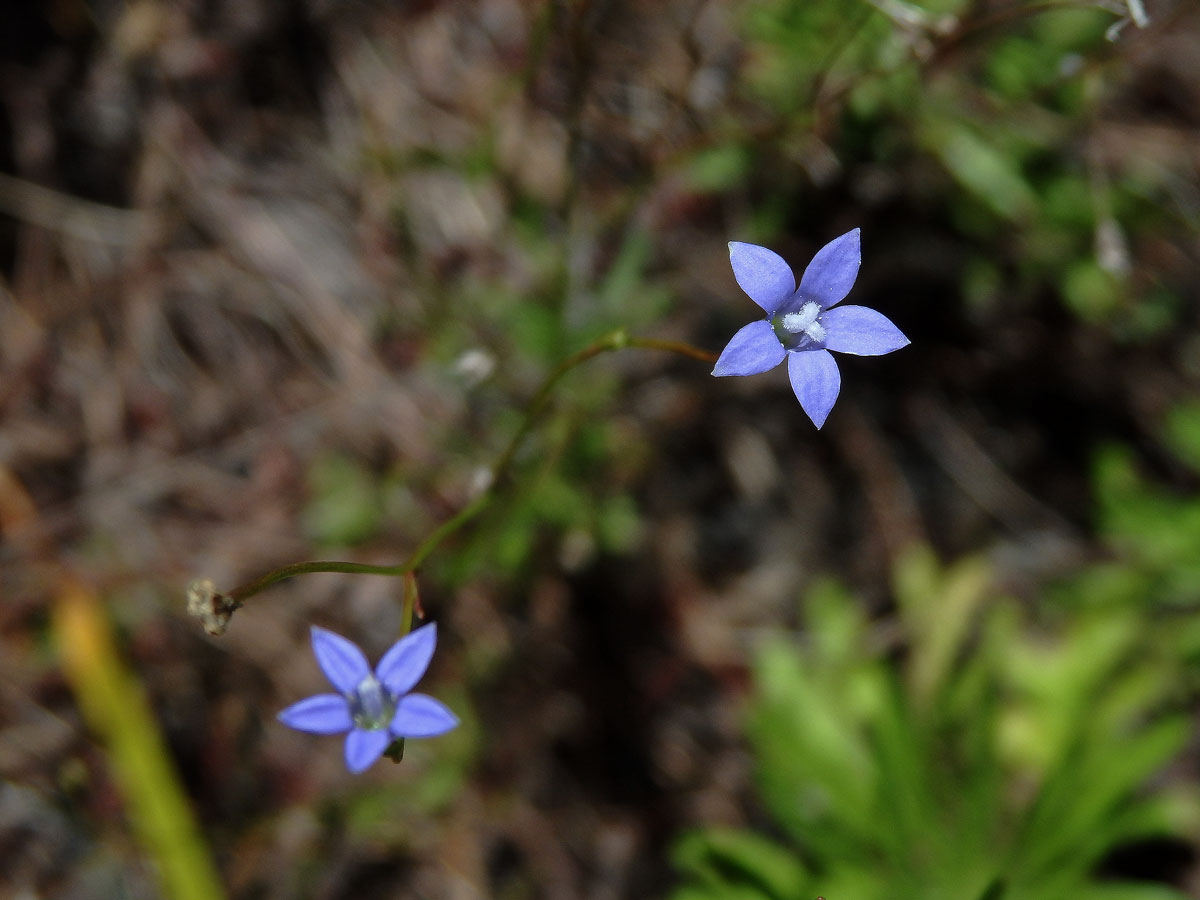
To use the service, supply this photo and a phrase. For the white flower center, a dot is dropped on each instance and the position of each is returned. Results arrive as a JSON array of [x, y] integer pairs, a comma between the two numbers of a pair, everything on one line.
[[805, 321], [371, 705]]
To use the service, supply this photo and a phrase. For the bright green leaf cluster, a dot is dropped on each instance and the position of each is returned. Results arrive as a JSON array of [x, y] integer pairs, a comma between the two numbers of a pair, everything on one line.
[[999, 758]]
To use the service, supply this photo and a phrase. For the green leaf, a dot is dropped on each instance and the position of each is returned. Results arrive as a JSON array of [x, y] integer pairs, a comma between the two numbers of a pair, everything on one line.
[[720, 856], [1085, 793], [1182, 432], [836, 626], [1089, 291], [813, 763], [116, 707], [345, 504], [937, 611], [982, 168], [719, 168]]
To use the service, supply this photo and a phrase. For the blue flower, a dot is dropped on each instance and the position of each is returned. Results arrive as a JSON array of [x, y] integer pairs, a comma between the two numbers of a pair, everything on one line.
[[802, 323], [374, 707]]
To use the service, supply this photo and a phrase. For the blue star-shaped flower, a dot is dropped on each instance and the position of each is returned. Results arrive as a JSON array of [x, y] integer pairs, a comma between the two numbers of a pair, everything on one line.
[[374, 707], [802, 323]]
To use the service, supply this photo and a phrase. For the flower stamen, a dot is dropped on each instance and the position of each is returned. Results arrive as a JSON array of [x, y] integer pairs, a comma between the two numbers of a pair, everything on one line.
[[805, 322]]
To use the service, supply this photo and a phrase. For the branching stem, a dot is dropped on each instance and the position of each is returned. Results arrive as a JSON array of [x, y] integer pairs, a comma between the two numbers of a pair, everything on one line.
[[616, 340]]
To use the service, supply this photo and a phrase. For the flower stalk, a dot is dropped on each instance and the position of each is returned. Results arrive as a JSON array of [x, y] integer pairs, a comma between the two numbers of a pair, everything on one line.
[[219, 606]]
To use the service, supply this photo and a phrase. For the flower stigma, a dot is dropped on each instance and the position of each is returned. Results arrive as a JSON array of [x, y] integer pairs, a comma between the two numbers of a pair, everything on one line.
[[371, 706], [798, 329]]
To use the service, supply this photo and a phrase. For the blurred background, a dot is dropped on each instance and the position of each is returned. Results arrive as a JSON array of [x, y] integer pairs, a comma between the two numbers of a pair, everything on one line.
[[278, 279]]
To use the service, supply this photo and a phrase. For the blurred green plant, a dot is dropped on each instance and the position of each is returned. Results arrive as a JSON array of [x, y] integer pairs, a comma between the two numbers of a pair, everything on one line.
[[572, 485], [1006, 102], [114, 703], [344, 505], [1153, 528], [563, 504], [972, 753]]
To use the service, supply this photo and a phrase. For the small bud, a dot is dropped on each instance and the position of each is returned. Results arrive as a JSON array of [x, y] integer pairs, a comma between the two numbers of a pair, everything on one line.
[[210, 606]]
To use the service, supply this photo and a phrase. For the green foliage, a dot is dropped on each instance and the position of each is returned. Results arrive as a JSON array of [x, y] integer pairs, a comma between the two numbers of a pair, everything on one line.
[[1157, 530], [1153, 532], [1089, 291], [719, 168], [999, 758], [114, 703], [1004, 114], [1182, 433], [626, 296], [719, 856], [982, 167], [561, 503], [344, 505]]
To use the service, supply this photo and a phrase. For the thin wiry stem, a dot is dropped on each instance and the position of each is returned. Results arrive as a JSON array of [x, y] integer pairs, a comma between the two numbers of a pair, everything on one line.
[[616, 340], [410, 604]]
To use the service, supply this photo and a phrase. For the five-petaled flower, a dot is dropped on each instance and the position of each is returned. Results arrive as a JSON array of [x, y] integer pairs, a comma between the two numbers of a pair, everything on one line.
[[374, 707], [802, 323]]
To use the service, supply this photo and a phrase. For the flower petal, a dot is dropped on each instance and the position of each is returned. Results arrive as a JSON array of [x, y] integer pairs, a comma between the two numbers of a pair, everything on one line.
[[762, 274], [831, 273], [404, 664], [754, 349], [322, 714], [420, 716], [861, 331], [816, 381], [364, 747], [341, 661]]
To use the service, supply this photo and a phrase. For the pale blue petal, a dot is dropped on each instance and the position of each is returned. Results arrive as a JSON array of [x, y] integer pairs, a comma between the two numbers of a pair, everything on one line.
[[816, 381], [420, 716], [403, 665], [364, 747], [861, 331], [753, 349], [341, 661], [831, 273], [322, 714], [762, 274]]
